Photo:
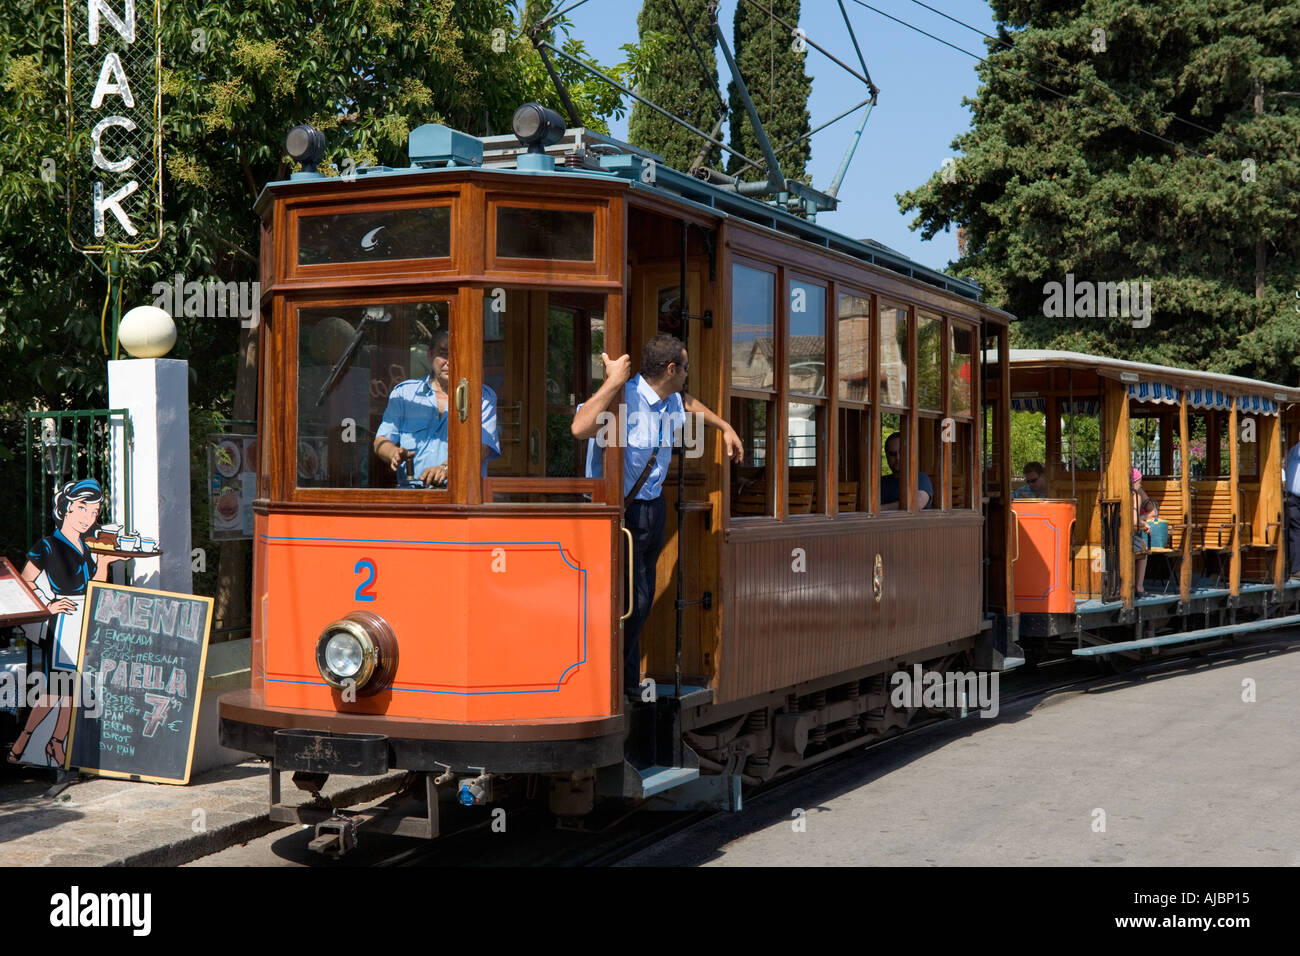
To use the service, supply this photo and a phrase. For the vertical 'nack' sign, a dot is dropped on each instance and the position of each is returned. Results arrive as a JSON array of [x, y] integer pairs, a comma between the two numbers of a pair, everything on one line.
[[113, 57]]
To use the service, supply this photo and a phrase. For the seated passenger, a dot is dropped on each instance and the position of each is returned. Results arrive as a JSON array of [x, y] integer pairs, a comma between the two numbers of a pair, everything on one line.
[[889, 484], [414, 427], [1035, 485], [1144, 511]]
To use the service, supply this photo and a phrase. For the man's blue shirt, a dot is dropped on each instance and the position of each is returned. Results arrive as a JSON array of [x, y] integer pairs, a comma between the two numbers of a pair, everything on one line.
[[651, 422], [413, 421], [1292, 483], [889, 489], [1025, 491]]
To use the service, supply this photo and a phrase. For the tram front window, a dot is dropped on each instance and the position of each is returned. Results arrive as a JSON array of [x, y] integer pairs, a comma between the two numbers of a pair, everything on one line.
[[541, 356], [373, 387]]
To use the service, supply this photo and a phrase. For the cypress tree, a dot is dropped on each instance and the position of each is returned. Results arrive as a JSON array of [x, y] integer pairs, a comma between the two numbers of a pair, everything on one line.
[[773, 69], [677, 83], [1047, 186]]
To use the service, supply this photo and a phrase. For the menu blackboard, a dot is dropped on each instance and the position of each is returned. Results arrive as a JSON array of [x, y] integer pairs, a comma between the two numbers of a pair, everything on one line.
[[141, 660]]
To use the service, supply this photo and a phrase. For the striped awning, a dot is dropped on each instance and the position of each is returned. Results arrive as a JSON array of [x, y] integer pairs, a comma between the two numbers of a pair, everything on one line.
[[1081, 406], [1209, 398], [1030, 403], [1157, 392], [1256, 405]]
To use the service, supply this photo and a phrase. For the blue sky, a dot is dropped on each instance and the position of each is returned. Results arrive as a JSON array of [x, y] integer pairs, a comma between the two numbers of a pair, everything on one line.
[[907, 137]]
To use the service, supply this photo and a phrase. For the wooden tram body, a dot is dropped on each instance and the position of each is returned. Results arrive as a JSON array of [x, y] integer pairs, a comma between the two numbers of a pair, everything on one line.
[[504, 592], [1213, 449]]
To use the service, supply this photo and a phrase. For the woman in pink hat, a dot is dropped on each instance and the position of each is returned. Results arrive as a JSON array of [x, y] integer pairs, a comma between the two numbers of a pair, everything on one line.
[[1143, 508]]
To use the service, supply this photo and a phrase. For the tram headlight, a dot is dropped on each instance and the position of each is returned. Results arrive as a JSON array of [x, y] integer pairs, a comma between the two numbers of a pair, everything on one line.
[[537, 127], [344, 654], [359, 651]]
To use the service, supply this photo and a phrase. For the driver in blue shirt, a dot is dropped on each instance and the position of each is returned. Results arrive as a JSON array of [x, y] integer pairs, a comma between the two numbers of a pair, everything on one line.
[[414, 427], [889, 483], [1035, 485]]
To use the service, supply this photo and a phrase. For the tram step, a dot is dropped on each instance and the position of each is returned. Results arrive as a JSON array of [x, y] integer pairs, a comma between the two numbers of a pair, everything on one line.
[[658, 779]]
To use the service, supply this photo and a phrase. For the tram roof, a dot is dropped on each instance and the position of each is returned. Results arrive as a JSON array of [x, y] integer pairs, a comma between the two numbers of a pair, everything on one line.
[[1145, 372], [627, 165]]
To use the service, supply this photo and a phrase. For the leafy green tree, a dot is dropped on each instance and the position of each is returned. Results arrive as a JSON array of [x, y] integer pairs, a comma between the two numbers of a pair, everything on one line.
[[1048, 185], [672, 77], [772, 64]]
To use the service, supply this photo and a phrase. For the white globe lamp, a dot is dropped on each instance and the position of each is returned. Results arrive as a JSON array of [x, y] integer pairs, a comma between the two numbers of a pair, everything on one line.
[[147, 332]]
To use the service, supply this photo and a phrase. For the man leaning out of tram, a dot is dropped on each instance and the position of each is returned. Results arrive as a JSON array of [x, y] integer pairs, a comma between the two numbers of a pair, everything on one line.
[[414, 427], [656, 406]]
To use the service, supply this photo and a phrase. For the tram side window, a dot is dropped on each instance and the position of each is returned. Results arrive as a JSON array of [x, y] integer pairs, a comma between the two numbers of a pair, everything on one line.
[[753, 389], [541, 355], [751, 480], [854, 442], [853, 429], [929, 367], [896, 490], [352, 360], [961, 447], [992, 436], [807, 408], [929, 445], [959, 370], [893, 355], [961, 440]]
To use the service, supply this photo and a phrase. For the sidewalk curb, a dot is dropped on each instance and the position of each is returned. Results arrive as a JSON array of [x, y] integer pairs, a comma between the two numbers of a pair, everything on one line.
[[221, 838]]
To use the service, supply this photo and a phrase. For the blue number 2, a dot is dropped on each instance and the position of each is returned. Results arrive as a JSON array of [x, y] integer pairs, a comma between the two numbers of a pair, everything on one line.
[[363, 593]]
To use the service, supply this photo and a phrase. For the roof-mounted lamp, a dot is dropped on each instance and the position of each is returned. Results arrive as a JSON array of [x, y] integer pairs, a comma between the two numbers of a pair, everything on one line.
[[536, 128], [306, 144]]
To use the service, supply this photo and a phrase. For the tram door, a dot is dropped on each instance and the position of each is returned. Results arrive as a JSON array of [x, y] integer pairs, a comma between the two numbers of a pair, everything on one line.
[[654, 307]]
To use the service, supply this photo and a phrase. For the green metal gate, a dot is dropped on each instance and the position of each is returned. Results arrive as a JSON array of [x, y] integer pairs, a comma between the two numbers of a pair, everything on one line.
[[71, 445]]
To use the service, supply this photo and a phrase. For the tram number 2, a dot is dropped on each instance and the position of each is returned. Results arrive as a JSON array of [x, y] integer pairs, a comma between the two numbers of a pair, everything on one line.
[[363, 589]]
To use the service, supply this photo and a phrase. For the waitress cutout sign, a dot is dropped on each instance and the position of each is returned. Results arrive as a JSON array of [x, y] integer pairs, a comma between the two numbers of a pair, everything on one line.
[[59, 568]]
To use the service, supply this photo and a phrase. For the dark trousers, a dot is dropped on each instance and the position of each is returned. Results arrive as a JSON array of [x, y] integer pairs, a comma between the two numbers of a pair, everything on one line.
[[645, 519], [1293, 533]]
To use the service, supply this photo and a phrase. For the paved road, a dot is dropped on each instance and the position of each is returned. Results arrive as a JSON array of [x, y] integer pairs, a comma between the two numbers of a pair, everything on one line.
[[1179, 768], [1185, 771]]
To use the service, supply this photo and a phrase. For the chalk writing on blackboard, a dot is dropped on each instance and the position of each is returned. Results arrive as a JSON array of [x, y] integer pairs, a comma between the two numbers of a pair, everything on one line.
[[143, 653]]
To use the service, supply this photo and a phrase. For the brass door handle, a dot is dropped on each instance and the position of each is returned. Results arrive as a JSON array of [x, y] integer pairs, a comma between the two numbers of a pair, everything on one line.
[[1016, 520], [462, 399], [631, 600]]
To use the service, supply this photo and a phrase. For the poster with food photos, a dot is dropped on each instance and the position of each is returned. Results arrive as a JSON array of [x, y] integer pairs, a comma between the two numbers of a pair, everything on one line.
[[232, 485]]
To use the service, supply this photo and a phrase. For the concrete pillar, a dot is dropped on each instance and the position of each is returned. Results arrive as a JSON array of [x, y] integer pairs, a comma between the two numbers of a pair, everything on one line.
[[156, 393]]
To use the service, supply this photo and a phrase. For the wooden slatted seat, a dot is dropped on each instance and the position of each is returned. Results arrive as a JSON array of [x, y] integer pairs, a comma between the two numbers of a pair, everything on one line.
[[1213, 515], [848, 496], [750, 503], [959, 499], [802, 494], [1263, 538]]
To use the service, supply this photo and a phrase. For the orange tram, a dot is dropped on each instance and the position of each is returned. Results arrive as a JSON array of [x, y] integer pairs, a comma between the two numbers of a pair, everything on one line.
[[471, 633]]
